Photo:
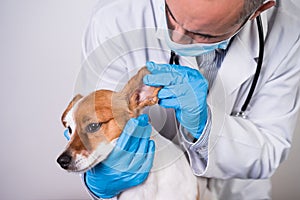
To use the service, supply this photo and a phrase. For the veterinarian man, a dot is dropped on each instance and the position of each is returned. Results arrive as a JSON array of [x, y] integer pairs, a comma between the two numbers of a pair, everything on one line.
[[235, 138]]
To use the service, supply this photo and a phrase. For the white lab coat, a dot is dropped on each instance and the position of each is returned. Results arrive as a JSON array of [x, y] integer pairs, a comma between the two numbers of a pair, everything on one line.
[[242, 153]]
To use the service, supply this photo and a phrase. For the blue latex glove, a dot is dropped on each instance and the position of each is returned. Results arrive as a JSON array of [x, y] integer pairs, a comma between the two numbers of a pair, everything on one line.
[[183, 89], [128, 164], [67, 134]]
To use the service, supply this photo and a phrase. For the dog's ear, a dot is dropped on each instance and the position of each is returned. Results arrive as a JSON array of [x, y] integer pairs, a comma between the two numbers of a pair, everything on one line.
[[138, 94], [70, 106], [142, 97]]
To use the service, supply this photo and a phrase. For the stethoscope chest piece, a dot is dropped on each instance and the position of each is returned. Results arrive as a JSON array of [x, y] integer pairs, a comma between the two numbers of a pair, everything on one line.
[[240, 114]]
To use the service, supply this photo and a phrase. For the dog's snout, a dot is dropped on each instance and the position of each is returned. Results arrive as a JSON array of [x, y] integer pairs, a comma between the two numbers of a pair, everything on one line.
[[64, 160]]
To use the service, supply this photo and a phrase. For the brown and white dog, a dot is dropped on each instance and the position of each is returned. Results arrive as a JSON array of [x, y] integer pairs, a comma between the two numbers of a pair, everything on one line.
[[97, 120]]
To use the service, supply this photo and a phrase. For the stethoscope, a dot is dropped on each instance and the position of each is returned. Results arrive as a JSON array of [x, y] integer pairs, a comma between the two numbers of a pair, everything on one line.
[[174, 59]]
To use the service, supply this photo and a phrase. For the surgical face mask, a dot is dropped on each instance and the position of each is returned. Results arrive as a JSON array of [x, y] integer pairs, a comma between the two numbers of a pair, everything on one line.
[[195, 49]]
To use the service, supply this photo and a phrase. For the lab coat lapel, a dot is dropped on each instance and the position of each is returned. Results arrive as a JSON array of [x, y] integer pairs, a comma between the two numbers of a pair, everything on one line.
[[240, 62]]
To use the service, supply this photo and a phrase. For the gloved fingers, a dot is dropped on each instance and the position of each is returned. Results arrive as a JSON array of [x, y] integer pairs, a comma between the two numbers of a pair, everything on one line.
[[119, 160], [140, 144], [143, 120], [173, 91], [163, 79], [151, 147], [128, 130], [170, 103], [134, 145], [144, 144], [100, 183], [158, 68], [135, 129], [174, 79], [189, 72], [144, 128], [136, 162], [141, 133], [166, 93], [166, 68], [139, 139], [126, 142], [186, 94], [147, 164], [136, 132], [142, 162], [185, 71], [99, 168]]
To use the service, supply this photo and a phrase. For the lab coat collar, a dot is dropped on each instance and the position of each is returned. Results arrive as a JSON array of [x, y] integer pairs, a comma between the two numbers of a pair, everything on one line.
[[240, 62]]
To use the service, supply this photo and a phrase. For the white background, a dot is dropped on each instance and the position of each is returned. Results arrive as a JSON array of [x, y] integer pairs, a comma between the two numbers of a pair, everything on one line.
[[40, 55]]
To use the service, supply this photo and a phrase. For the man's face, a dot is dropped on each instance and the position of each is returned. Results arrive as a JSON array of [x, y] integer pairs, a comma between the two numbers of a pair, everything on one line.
[[203, 21]]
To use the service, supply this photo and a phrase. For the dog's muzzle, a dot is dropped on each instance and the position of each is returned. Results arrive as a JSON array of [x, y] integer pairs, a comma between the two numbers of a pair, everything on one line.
[[64, 160]]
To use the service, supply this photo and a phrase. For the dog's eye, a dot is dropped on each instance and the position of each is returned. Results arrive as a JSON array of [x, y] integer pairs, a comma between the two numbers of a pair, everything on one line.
[[93, 127], [69, 129]]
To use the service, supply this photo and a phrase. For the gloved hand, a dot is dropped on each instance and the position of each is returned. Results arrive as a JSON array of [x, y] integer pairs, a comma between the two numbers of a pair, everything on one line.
[[183, 89], [128, 164]]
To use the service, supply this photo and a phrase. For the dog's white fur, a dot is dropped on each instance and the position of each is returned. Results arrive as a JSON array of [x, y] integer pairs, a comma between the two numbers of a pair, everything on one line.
[[171, 176]]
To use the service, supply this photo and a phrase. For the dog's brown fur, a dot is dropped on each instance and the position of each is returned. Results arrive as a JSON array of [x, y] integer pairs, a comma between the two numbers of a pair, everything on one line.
[[111, 109]]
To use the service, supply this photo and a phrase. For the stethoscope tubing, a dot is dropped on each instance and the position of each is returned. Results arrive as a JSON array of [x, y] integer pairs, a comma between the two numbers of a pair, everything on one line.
[[259, 63]]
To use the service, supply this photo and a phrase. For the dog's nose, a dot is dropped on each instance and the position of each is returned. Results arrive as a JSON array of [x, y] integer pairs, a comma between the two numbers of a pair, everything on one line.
[[64, 160]]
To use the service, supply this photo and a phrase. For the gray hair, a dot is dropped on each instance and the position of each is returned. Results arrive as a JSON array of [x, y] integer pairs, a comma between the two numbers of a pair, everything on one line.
[[249, 7]]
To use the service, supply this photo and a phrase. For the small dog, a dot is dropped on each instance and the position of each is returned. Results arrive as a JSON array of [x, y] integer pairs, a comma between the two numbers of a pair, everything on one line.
[[105, 113]]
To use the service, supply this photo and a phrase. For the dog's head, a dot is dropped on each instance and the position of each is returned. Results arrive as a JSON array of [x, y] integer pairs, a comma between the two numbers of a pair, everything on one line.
[[94, 121]]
